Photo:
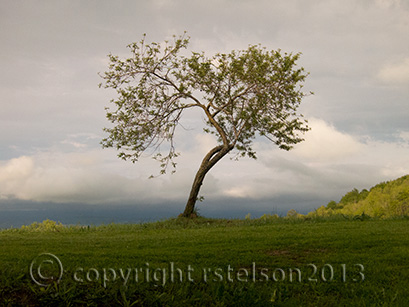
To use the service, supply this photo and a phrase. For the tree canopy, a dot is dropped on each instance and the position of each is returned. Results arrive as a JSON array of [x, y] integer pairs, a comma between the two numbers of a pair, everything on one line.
[[242, 94], [386, 199]]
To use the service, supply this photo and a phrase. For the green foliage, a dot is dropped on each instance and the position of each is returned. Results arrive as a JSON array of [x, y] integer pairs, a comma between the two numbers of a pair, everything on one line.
[[269, 217], [354, 196], [332, 204], [293, 214], [385, 200], [241, 94], [46, 225]]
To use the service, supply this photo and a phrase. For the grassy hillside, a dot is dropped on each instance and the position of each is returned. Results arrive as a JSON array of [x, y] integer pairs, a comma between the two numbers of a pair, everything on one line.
[[204, 262], [385, 200], [350, 253]]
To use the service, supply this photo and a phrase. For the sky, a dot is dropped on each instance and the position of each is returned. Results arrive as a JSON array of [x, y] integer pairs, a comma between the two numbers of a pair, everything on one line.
[[53, 112]]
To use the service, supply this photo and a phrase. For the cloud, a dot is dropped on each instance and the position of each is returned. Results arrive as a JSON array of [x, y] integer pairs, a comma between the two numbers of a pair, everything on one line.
[[404, 135], [325, 143], [57, 176], [14, 173], [74, 171], [328, 165], [397, 73], [53, 112], [386, 4]]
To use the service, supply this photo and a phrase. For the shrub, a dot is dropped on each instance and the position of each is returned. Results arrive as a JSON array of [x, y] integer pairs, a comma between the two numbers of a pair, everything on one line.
[[47, 225]]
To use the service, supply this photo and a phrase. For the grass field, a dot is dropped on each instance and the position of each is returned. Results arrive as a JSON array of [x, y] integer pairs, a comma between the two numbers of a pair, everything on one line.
[[178, 262]]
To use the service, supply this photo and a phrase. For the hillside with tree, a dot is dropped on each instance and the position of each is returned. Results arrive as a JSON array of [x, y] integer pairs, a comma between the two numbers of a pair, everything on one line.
[[386, 199]]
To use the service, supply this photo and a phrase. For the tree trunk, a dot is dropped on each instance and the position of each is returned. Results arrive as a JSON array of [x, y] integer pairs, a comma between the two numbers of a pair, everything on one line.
[[208, 162]]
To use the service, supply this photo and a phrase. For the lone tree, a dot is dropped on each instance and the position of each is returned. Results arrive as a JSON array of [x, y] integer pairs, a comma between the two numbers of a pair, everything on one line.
[[242, 94]]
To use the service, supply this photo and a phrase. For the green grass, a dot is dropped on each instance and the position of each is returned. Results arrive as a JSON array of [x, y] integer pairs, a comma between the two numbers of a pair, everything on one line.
[[247, 262]]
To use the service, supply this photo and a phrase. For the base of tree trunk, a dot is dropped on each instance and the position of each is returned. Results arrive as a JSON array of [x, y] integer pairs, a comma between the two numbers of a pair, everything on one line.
[[191, 216]]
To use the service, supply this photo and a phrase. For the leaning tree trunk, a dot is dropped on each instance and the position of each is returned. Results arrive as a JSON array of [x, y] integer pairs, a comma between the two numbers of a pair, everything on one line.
[[208, 162]]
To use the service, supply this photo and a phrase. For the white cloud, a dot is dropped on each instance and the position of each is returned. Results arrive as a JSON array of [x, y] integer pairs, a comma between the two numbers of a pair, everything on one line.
[[397, 73], [325, 143], [14, 173], [330, 164], [327, 165], [89, 175]]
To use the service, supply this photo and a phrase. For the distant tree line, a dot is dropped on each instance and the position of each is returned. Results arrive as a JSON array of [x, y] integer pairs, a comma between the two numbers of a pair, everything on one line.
[[386, 199]]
